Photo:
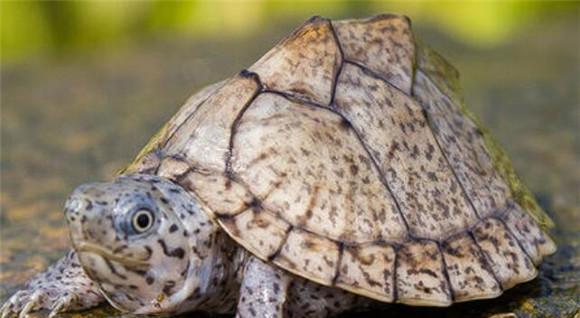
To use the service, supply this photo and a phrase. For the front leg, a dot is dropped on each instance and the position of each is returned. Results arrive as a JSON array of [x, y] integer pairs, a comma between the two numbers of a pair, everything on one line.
[[62, 287], [263, 290]]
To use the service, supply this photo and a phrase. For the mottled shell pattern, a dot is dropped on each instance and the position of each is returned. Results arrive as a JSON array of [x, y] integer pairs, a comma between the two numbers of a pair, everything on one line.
[[345, 156]]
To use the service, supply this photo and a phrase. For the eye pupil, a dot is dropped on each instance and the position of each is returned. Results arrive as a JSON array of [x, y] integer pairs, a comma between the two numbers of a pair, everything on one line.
[[143, 220]]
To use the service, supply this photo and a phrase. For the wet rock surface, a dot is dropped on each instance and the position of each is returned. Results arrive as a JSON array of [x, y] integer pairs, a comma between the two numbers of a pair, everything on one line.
[[82, 119]]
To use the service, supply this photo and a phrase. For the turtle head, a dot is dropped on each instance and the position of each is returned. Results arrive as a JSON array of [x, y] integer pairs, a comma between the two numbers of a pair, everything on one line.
[[144, 241]]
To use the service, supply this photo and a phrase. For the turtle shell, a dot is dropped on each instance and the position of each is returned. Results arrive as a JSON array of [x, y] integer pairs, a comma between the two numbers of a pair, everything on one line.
[[345, 156]]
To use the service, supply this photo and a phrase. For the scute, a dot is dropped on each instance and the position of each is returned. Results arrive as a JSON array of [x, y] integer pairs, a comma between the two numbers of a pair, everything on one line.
[[368, 269], [262, 232], [393, 127], [303, 64], [204, 136], [383, 43], [462, 142], [470, 275], [533, 240], [421, 276], [148, 159], [508, 261], [310, 170], [345, 156], [207, 184], [305, 252]]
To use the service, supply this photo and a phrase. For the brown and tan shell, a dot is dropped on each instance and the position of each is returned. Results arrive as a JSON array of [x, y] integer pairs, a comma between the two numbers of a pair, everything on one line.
[[345, 156]]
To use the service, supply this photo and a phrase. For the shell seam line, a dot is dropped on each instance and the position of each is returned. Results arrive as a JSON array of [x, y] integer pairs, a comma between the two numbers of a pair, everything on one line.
[[444, 155], [338, 263], [282, 243], [380, 242], [394, 244], [495, 174], [377, 76], [233, 129], [446, 272], [426, 117], [429, 122], [166, 141], [517, 241], [342, 59], [332, 105], [488, 262], [359, 138]]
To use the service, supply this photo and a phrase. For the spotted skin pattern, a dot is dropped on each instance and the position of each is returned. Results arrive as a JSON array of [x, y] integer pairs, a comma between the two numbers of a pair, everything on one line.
[[339, 172], [270, 292], [263, 291], [183, 262], [64, 286]]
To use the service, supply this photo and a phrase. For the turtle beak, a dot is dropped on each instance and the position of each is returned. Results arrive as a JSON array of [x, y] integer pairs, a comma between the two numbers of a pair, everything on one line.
[[87, 247]]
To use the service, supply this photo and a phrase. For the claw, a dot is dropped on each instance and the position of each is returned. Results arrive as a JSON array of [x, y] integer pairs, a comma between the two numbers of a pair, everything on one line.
[[6, 310], [56, 308], [59, 305], [32, 301], [6, 313]]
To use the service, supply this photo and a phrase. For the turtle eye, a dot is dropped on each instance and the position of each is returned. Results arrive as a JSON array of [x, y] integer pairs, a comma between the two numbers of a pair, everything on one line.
[[142, 220]]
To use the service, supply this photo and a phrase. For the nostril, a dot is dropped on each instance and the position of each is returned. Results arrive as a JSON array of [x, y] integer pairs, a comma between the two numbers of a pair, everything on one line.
[[73, 204], [76, 215], [77, 208]]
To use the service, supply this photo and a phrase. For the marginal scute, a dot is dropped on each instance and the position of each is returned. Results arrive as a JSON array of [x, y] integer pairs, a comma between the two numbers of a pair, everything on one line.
[[311, 170], [304, 64], [383, 43], [469, 273], [260, 232], [309, 255], [204, 137], [172, 167], [535, 242], [506, 258], [395, 130], [209, 185], [368, 270], [420, 275], [147, 163]]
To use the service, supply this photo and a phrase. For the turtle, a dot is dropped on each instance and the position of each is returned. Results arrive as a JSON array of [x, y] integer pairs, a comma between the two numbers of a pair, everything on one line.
[[340, 172]]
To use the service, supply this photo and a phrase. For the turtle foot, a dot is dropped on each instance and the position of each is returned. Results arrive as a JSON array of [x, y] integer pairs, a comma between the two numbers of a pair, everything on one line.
[[63, 287]]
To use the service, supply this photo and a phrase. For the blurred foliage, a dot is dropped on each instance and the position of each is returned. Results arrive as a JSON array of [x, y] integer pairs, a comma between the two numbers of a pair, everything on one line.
[[52, 28]]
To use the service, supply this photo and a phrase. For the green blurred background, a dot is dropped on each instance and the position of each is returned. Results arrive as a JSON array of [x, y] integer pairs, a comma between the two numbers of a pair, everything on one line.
[[85, 84], [37, 29]]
